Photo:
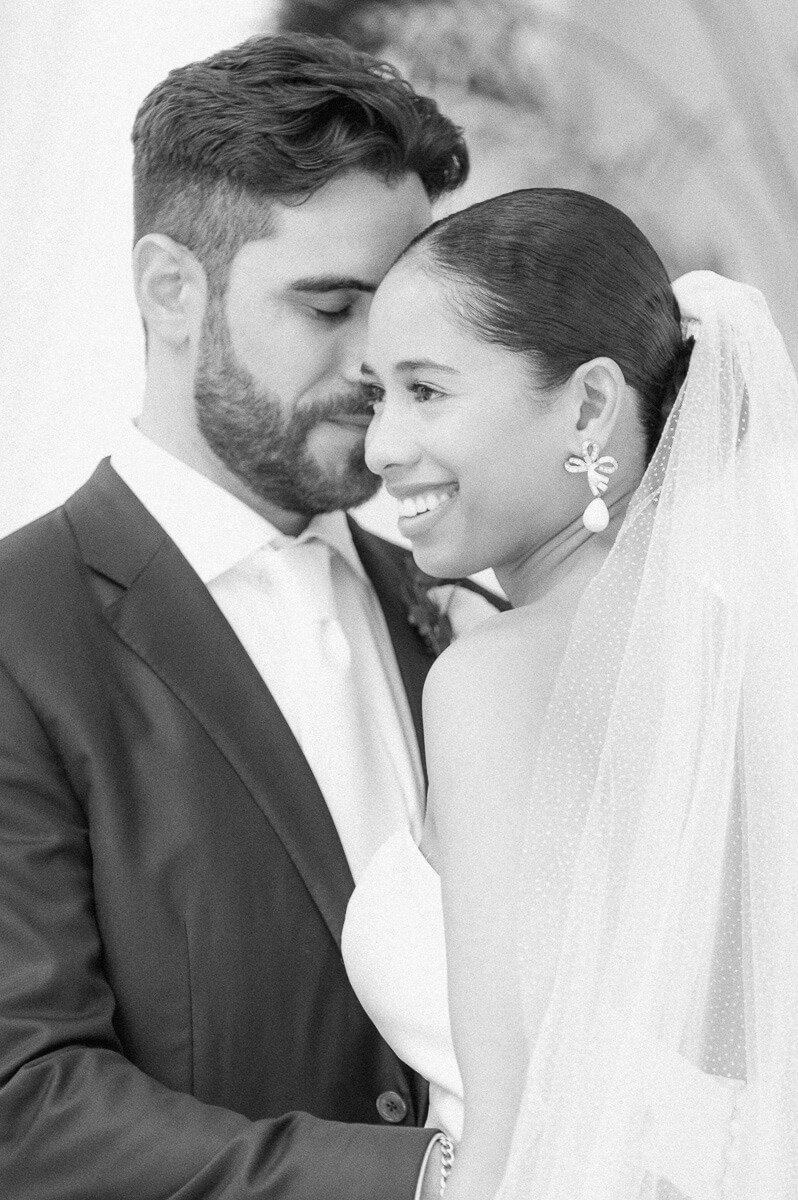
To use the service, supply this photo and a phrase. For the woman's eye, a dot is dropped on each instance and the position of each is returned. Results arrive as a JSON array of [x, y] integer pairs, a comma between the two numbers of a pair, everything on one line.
[[424, 392]]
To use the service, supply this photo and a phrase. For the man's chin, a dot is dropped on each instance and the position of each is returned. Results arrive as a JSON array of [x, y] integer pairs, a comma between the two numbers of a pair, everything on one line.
[[328, 490], [350, 496], [335, 474]]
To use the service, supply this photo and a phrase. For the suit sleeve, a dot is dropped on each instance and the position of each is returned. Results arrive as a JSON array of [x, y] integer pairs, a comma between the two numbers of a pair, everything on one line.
[[78, 1121]]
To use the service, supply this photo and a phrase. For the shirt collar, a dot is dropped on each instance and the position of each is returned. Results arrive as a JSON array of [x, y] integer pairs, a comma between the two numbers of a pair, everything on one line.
[[213, 530], [333, 528]]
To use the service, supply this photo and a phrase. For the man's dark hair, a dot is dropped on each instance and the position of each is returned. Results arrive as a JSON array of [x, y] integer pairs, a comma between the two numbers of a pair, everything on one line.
[[276, 118]]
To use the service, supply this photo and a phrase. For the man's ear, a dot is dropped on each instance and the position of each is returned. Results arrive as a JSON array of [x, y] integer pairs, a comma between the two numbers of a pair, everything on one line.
[[598, 391], [171, 289]]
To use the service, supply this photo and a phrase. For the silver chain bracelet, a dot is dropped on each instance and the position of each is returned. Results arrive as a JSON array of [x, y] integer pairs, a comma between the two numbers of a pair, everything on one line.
[[447, 1159]]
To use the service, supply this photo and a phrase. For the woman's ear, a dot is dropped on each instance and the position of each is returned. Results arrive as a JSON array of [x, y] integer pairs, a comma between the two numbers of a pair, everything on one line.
[[171, 289], [599, 391]]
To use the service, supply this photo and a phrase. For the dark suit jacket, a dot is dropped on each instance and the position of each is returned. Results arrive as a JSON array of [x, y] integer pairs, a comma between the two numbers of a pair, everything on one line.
[[175, 1019]]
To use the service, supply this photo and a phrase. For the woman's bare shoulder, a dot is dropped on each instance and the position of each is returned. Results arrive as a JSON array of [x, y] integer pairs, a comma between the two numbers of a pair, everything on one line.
[[486, 698], [509, 653], [484, 707]]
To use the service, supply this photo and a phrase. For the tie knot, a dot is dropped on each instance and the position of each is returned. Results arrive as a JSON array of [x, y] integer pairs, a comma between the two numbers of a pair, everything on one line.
[[307, 569], [305, 573]]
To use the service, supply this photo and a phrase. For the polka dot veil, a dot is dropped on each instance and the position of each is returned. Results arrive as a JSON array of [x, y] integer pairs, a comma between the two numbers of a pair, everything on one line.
[[658, 898]]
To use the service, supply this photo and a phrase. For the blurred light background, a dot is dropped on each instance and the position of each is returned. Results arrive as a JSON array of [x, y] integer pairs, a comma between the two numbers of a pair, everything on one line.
[[684, 113]]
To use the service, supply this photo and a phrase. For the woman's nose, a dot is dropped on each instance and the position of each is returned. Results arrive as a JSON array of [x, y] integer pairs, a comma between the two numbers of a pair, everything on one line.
[[389, 441]]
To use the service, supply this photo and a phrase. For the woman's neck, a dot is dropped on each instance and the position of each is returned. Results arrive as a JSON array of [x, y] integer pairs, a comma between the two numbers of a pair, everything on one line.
[[561, 568]]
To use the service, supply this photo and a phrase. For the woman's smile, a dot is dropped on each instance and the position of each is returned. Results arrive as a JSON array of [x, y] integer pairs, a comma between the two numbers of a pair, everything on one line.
[[423, 507]]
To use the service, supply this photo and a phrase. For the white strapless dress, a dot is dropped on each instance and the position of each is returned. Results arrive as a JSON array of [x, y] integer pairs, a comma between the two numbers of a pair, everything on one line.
[[395, 954]]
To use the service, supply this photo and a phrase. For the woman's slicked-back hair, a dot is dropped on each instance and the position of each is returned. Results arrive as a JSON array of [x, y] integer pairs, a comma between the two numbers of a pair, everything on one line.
[[563, 277], [276, 118]]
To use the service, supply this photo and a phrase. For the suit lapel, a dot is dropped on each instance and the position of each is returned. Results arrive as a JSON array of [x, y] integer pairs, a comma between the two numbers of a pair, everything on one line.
[[193, 650], [385, 564]]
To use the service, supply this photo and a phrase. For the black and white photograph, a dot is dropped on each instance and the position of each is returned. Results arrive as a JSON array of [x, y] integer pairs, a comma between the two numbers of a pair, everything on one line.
[[399, 600]]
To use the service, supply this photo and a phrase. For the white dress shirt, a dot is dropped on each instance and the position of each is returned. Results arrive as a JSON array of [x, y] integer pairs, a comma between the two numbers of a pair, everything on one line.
[[232, 549]]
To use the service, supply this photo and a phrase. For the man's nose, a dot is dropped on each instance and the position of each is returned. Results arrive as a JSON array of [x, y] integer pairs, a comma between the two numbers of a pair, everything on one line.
[[390, 442], [353, 345]]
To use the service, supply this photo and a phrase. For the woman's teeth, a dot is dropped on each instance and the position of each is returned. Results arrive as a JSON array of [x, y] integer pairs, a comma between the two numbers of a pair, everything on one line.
[[413, 506]]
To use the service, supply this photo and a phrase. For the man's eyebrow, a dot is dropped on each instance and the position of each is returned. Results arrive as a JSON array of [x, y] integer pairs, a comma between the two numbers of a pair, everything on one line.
[[332, 283]]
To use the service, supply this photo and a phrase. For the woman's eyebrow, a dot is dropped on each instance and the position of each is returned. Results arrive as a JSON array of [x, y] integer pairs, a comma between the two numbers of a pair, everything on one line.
[[412, 364]]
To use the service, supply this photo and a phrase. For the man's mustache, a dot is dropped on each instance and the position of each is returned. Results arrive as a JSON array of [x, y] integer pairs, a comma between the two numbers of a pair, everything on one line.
[[352, 404]]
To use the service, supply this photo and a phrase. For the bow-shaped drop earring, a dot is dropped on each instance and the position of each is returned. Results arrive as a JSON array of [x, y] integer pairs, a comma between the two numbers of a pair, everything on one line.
[[596, 516]]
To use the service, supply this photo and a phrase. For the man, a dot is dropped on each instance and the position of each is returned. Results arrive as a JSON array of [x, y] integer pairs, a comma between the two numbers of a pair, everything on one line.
[[210, 680]]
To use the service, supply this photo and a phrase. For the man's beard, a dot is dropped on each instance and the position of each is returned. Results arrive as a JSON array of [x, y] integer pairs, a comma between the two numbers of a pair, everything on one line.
[[266, 447]]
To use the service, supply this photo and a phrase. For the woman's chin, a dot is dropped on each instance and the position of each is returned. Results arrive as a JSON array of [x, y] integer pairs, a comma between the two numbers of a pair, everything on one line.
[[443, 563]]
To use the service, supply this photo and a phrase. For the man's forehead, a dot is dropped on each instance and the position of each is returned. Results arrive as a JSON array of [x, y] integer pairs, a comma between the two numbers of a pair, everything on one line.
[[313, 266], [343, 237], [355, 208], [305, 269]]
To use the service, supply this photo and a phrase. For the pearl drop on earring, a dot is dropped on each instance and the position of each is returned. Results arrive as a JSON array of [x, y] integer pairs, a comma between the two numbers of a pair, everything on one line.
[[596, 516]]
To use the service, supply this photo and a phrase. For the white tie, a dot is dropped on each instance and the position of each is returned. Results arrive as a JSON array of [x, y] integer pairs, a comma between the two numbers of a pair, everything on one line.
[[336, 732], [306, 581]]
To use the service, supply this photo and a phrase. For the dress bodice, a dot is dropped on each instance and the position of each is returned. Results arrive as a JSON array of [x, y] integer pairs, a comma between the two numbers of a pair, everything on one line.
[[395, 954]]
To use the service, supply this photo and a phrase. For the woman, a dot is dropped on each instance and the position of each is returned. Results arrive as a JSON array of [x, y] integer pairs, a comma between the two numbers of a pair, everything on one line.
[[612, 811]]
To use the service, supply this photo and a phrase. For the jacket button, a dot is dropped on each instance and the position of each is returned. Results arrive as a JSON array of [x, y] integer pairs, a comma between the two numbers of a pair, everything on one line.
[[391, 1107]]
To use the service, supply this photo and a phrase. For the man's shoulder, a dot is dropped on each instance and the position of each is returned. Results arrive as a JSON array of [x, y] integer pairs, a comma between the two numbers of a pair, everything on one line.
[[103, 525], [34, 548], [42, 564], [42, 594], [35, 543]]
